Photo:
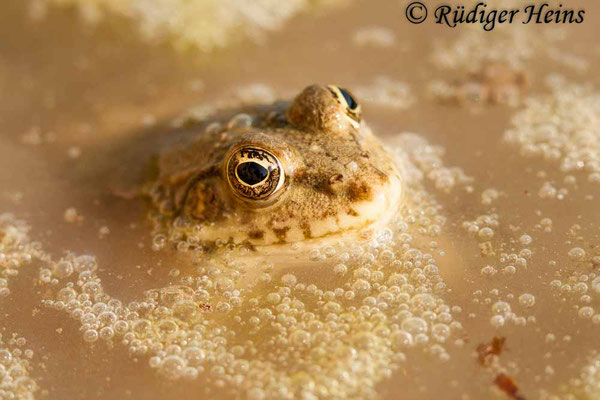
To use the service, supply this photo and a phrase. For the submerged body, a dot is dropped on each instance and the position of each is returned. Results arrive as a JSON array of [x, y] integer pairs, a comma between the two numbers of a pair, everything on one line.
[[287, 173]]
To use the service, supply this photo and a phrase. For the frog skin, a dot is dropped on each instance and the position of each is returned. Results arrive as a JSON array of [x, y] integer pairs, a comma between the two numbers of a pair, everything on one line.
[[289, 172]]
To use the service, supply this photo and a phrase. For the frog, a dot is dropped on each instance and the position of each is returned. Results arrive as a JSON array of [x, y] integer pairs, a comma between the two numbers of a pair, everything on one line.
[[299, 170]]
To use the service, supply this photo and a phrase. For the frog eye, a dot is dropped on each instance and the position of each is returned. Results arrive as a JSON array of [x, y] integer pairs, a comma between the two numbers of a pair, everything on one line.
[[254, 173], [346, 99]]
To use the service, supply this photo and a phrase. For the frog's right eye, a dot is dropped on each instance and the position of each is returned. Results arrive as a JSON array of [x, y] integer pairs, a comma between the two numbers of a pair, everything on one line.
[[351, 106], [254, 173]]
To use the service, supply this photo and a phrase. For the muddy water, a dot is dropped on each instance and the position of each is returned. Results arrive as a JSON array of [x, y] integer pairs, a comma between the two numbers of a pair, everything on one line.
[[78, 101]]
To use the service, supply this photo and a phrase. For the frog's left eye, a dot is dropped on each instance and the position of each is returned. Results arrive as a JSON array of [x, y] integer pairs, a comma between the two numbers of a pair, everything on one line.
[[345, 98], [254, 173]]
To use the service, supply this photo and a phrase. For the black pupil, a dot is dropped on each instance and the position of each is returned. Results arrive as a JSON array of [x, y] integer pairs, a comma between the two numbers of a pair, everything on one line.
[[349, 99], [252, 173]]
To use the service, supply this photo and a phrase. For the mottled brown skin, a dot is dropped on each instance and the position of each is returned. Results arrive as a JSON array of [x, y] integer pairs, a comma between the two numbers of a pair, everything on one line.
[[333, 172], [315, 109]]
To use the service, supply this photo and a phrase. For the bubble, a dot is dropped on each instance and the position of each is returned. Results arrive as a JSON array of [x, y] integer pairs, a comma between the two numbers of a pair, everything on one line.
[[142, 328], [384, 236], [349, 295], [190, 373], [167, 327], [187, 311], [365, 340], [414, 325], [315, 255], [158, 241], [402, 339], [121, 327], [223, 307], [501, 307], [273, 298], [423, 301], [5, 357], [66, 294], [489, 195], [240, 121], [172, 367], [362, 273], [509, 270], [596, 284], [340, 269], [85, 263], [527, 300], [194, 356], [90, 336], [547, 191], [300, 338], [91, 288], [497, 321], [486, 233], [361, 286], [289, 280], [440, 332], [107, 333], [488, 270], [586, 312], [525, 240], [576, 254], [63, 269], [521, 262], [526, 254], [224, 284], [333, 307], [88, 318], [421, 339], [580, 287]]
